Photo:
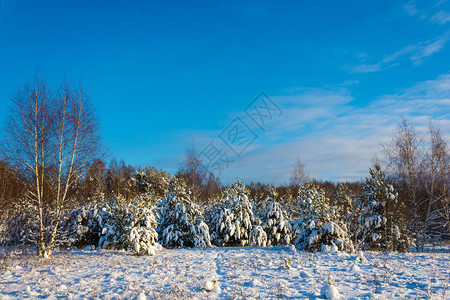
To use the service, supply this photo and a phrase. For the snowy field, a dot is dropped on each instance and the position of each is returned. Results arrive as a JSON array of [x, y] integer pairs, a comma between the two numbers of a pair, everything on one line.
[[229, 273]]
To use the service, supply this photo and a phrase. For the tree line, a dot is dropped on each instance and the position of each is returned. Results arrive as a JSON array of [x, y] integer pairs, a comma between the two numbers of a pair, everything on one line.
[[53, 161]]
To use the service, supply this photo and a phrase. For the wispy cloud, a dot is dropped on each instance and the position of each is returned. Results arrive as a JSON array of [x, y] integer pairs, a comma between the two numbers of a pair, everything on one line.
[[432, 12], [428, 12], [390, 58], [364, 68], [416, 53], [337, 140], [333, 136], [436, 90], [427, 50], [441, 17], [410, 8]]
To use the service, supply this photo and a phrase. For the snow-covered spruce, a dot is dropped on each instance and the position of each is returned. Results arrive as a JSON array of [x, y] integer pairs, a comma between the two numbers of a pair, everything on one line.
[[78, 227], [347, 208], [21, 227], [319, 227], [258, 237], [233, 219], [81, 226], [274, 221], [152, 180], [180, 221], [140, 234], [129, 225], [112, 220], [378, 224]]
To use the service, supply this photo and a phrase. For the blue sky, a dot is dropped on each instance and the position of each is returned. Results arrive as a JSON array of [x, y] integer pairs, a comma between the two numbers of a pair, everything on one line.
[[166, 75]]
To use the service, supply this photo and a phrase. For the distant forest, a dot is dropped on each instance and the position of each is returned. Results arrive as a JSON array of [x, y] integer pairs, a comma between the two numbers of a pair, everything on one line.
[[52, 159]]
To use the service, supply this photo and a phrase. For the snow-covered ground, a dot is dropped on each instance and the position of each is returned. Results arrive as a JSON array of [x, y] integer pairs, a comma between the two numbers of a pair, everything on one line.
[[227, 273]]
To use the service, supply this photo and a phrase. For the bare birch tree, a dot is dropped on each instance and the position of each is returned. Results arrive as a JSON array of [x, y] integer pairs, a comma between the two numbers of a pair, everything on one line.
[[405, 157], [437, 217], [299, 176], [94, 180], [51, 137], [193, 173]]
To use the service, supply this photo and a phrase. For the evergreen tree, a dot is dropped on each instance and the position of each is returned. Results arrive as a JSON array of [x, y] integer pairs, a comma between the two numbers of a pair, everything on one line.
[[233, 219], [274, 221], [81, 226], [21, 227], [347, 209], [129, 225], [318, 227], [180, 222], [258, 237], [140, 232], [153, 180], [380, 217]]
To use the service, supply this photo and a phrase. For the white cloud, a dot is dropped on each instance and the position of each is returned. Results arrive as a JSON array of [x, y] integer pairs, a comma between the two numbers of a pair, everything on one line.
[[431, 89], [428, 49], [410, 8], [394, 56], [365, 68], [428, 12], [441, 17], [336, 140], [333, 137], [417, 53]]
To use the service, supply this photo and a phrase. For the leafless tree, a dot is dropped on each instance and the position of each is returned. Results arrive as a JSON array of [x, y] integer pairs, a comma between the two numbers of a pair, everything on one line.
[[52, 137], [212, 187], [94, 181], [119, 180], [299, 175], [405, 158], [437, 215], [193, 172], [11, 188]]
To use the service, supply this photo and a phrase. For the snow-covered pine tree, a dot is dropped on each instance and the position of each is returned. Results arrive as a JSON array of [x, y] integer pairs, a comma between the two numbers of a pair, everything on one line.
[[347, 209], [180, 221], [274, 221], [221, 224], [289, 203], [152, 180], [258, 237], [233, 219], [140, 233], [112, 220], [379, 220], [78, 226], [344, 202], [318, 227], [129, 225], [20, 227], [81, 226]]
